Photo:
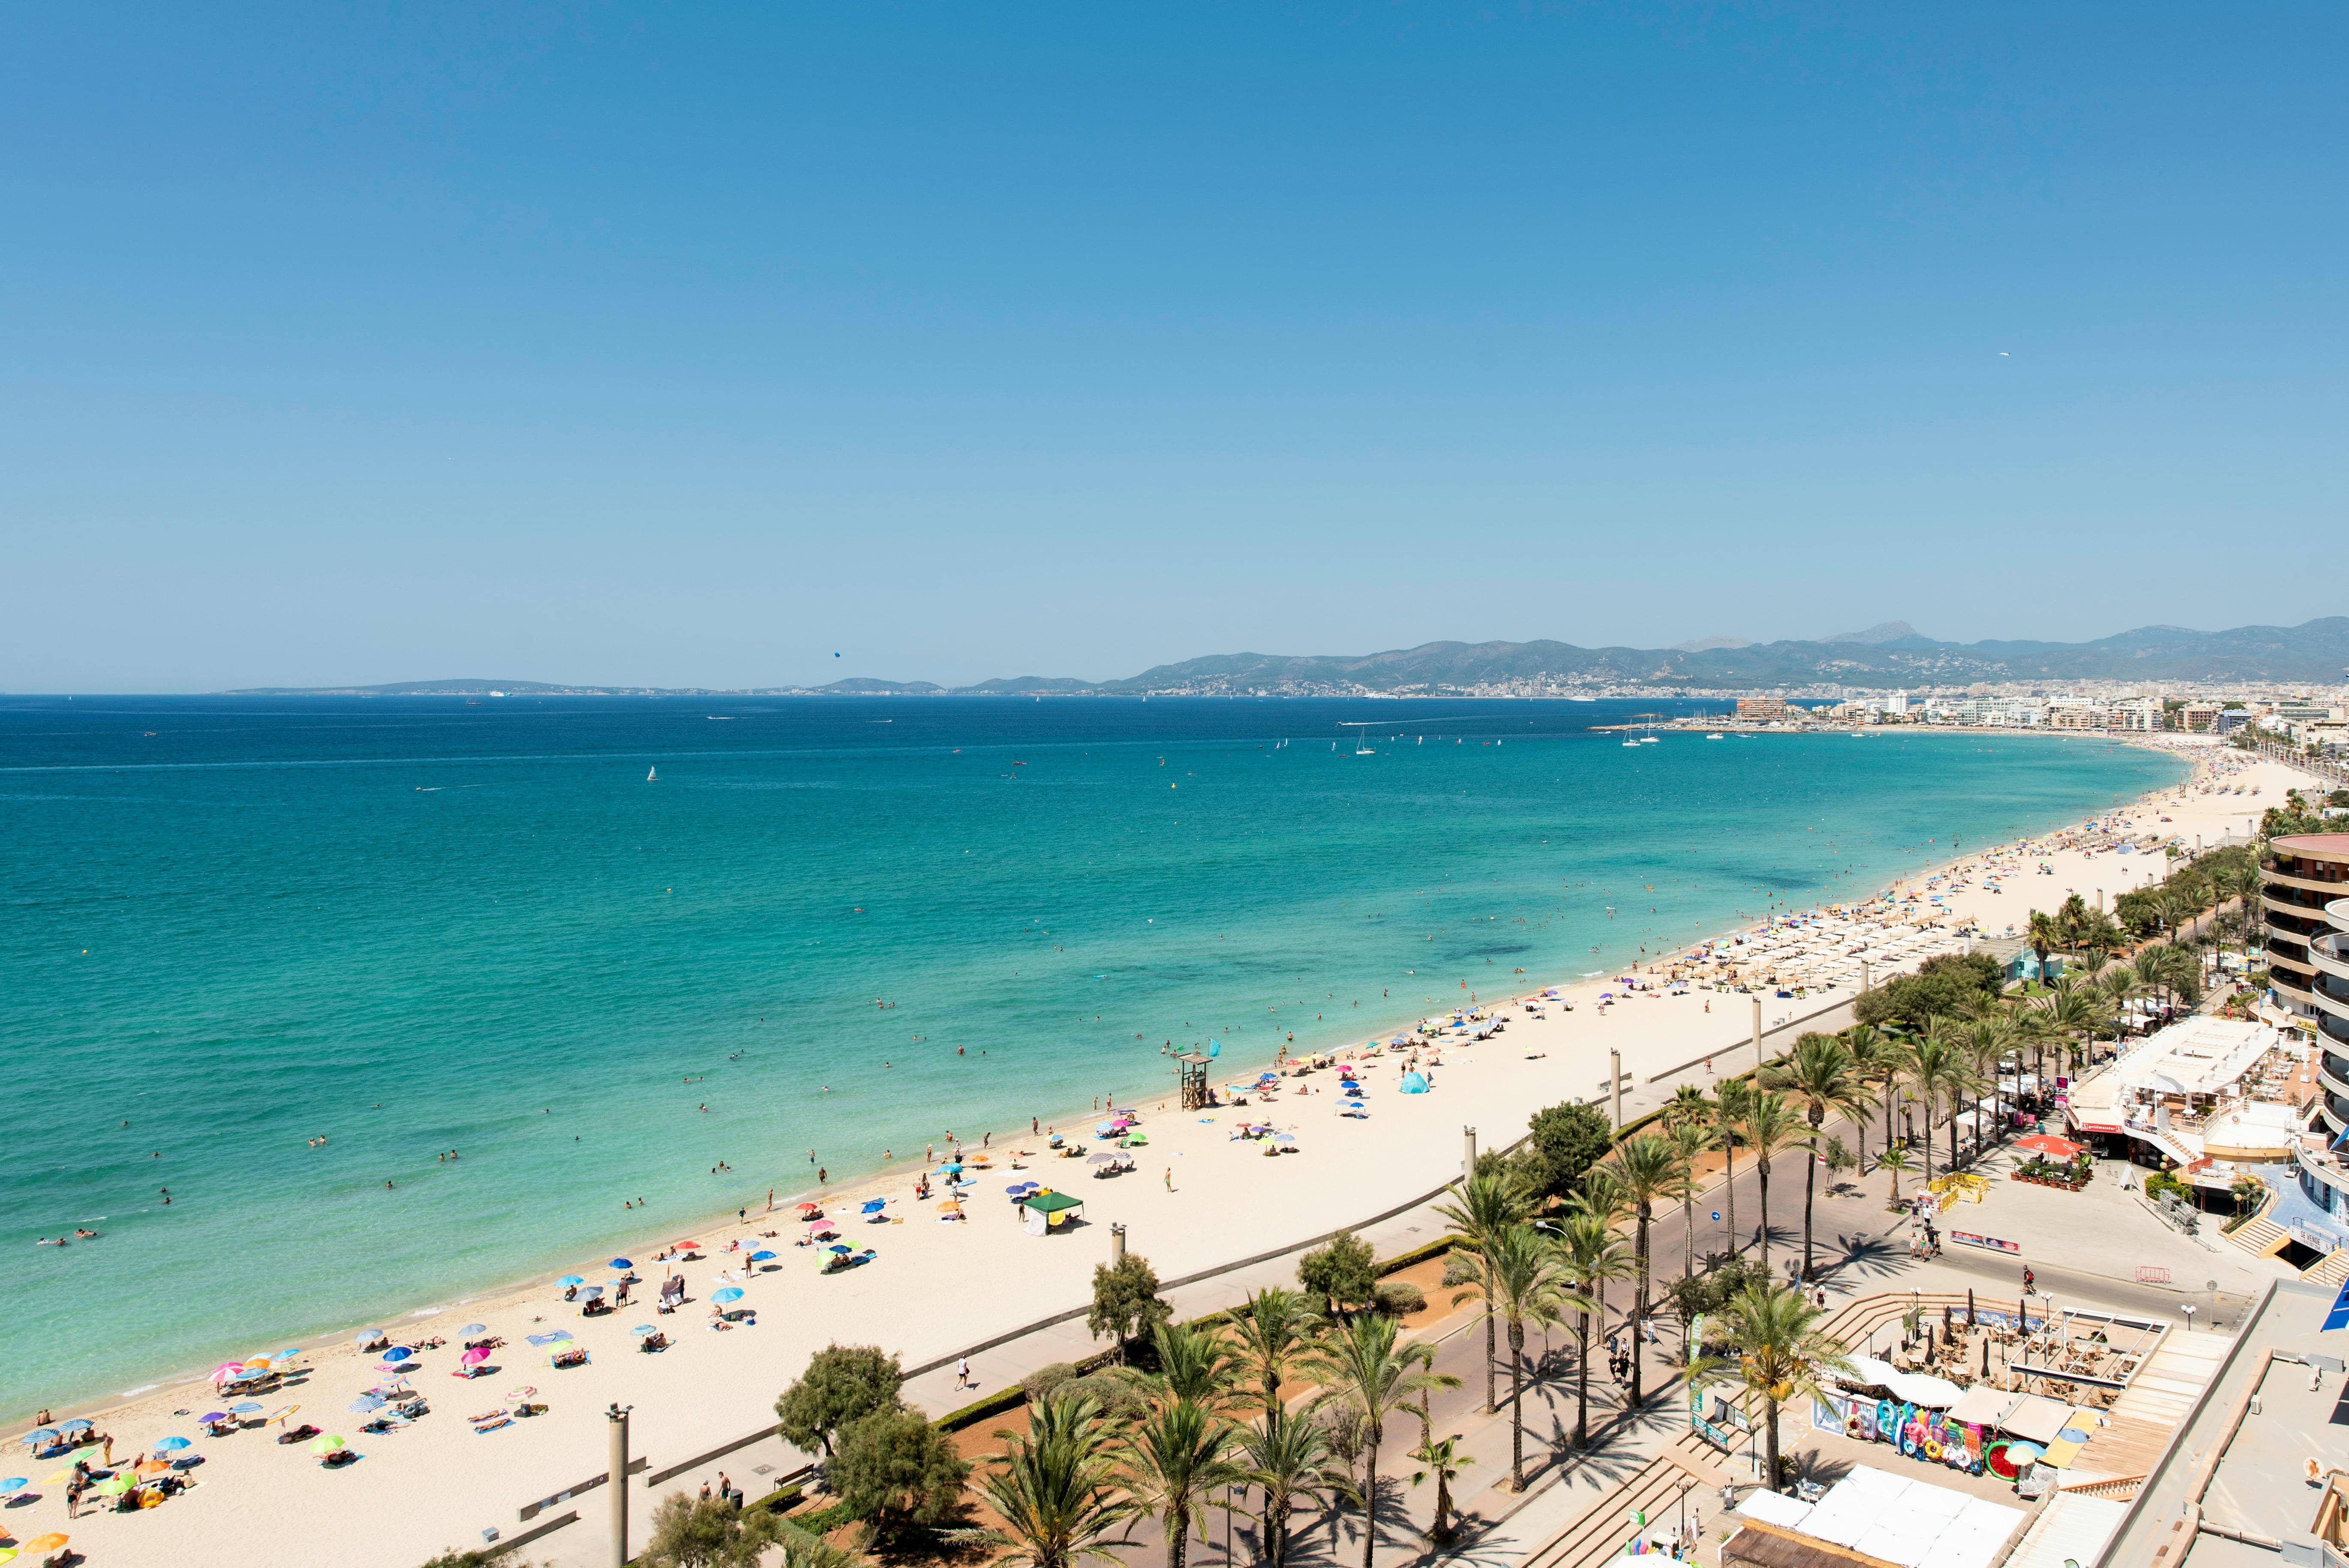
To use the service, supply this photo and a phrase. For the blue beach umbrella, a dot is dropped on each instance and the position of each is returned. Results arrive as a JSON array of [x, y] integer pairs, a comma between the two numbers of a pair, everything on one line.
[[245, 1406], [1103, 1128], [472, 1328], [398, 1353], [760, 1257], [41, 1435], [73, 1425], [729, 1294], [840, 1247], [872, 1205], [622, 1263], [14, 1483], [365, 1404], [170, 1445], [570, 1280], [641, 1329]]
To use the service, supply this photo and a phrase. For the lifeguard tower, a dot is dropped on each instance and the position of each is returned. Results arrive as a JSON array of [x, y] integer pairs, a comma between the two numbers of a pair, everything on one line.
[[1191, 1068]]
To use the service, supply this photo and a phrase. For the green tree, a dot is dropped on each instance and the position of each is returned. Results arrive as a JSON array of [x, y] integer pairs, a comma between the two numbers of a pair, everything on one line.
[[1729, 1115], [1528, 1285], [1767, 1340], [1820, 1079], [1443, 1459], [1892, 1161], [1343, 1272], [1483, 1208], [1770, 1125], [895, 1469], [1289, 1461], [689, 1533], [2044, 934], [1360, 1366], [1195, 1363], [1125, 1302], [1566, 1141], [1590, 1253], [1935, 1069], [1690, 1142], [1270, 1333], [1650, 1169], [1056, 1486], [1171, 1459], [1881, 1059], [841, 1383]]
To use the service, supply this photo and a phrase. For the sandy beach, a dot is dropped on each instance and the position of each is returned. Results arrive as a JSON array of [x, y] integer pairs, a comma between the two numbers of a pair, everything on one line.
[[1200, 1197]]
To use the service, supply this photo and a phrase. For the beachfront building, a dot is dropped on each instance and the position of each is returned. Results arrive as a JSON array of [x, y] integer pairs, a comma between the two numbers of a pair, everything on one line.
[[2306, 908], [1765, 710]]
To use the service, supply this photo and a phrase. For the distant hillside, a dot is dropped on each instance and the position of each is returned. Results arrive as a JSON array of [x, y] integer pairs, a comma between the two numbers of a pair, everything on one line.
[[1884, 656]]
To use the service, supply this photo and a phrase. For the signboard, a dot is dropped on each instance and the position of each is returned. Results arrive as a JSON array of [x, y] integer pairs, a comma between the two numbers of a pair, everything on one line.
[[1990, 1243]]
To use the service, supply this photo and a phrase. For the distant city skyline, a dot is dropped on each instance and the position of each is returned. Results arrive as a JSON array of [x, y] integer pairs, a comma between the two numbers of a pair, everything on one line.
[[741, 346]]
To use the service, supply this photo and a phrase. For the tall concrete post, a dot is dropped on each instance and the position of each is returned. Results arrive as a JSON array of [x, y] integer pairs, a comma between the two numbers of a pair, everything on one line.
[[1615, 1086], [1863, 976], [1467, 1153], [1116, 1244], [616, 1428], [1757, 1033]]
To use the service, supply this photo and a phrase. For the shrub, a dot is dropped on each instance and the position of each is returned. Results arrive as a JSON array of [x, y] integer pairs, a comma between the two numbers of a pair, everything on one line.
[[1119, 1397], [1399, 1299], [1125, 1301], [1038, 1385], [1565, 1141], [1343, 1272]]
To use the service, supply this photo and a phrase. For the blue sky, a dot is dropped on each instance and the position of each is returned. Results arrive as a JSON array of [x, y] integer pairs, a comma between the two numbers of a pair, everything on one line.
[[695, 345]]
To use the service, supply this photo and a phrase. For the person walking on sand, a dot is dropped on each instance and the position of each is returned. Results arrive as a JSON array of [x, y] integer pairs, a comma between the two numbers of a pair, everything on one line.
[[1169, 1178]]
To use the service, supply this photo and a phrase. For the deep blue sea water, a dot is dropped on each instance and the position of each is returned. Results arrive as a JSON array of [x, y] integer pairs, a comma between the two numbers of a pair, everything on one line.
[[843, 925]]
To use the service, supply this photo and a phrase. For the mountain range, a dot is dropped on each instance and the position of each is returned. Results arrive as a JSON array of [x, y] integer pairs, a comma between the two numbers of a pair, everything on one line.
[[1882, 657]]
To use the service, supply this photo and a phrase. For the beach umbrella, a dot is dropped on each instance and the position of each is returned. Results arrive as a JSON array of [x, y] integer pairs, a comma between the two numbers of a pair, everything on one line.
[[622, 1263], [13, 1483], [7, 1555], [245, 1406], [398, 1353], [837, 1249], [1017, 1187], [327, 1445], [950, 1207], [41, 1435], [591, 1292], [730, 1294], [1136, 1140], [74, 1426], [476, 1355], [872, 1205], [641, 1329], [1100, 1158], [116, 1484], [208, 1417], [474, 1328], [170, 1445], [49, 1543], [220, 1374], [689, 1247], [569, 1280], [810, 1207], [761, 1256], [1103, 1128], [365, 1405]]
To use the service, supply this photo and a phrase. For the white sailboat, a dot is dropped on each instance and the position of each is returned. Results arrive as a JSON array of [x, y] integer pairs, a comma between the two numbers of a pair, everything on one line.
[[652, 775]]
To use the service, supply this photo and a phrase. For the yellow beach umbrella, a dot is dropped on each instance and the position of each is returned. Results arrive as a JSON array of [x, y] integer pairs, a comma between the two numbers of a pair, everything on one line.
[[49, 1543]]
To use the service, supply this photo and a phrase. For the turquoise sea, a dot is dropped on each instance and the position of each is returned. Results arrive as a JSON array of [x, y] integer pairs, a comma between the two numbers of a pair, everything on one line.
[[841, 926]]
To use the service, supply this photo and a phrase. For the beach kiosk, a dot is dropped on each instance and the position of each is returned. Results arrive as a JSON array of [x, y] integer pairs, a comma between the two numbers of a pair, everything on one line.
[[1047, 1210]]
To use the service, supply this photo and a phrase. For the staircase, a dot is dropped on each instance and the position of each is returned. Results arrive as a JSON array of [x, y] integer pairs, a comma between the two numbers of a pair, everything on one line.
[[1655, 1489], [2259, 1236], [2328, 1270]]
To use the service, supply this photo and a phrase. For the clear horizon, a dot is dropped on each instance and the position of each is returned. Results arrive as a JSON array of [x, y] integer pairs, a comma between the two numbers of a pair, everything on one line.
[[695, 348]]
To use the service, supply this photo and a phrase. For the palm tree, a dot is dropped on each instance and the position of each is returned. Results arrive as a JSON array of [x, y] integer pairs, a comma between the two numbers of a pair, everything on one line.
[[2119, 988], [1590, 1253], [1444, 1460], [1986, 1043], [1767, 1339], [1528, 1286], [1650, 1169], [1290, 1462], [1195, 1363], [1729, 1115], [1935, 1068], [2045, 934], [1170, 1460], [1270, 1334], [1874, 1058], [1056, 1486], [1486, 1207], [1818, 1077], [1690, 1141], [1893, 1161], [1770, 1124], [1360, 1366]]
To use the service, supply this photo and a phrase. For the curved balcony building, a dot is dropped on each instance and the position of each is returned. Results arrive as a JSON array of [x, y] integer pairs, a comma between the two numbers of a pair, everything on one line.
[[2305, 906]]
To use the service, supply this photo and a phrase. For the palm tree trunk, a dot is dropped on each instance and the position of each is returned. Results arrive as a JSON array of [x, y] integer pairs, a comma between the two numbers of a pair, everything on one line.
[[1370, 1496], [1687, 1241], [1582, 1380], [1769, 1441], [1491, 1349], [1810, 1178], [1764, 1167], [1729, 1187], [1639, 1308], [1179, 1536], [1516, 1410]]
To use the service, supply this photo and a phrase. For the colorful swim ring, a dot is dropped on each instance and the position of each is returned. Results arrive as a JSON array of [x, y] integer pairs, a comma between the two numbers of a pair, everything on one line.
[[1851, 1425], [1932, 1448]]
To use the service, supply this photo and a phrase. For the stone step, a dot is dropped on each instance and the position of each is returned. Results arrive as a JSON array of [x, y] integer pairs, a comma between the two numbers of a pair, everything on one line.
[[2260, 1237]]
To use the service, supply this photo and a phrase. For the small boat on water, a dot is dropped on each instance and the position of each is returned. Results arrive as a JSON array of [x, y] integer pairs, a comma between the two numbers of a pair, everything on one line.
[[1715, 736], [652, 775]]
